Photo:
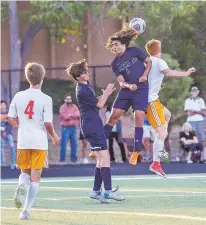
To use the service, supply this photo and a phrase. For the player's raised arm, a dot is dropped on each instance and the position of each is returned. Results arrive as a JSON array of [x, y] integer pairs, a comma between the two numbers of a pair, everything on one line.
[[174, 73], [144, 76], [106, 93]]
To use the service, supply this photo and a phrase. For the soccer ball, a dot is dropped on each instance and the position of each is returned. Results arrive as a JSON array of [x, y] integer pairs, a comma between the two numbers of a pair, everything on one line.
[[138, 24]]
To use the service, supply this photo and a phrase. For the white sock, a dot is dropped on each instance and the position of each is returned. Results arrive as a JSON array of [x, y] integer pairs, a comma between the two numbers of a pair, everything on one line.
[[157, 147], [24, 178], [31, 195]]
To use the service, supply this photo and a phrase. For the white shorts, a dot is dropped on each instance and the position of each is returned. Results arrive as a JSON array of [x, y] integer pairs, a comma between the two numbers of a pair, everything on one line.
[[149, 132]]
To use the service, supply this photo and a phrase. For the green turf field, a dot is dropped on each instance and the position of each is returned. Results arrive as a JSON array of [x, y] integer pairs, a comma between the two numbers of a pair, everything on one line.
[[150, 200]]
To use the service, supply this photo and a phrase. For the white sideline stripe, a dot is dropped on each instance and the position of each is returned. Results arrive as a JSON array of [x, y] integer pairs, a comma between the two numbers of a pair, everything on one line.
[[115, 178], [126, 190], [122, 190], [83, 197], [118, 213]]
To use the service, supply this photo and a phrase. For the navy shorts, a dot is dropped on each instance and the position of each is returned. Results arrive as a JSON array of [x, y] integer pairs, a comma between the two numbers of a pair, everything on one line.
[[96, 137], [137, 99]]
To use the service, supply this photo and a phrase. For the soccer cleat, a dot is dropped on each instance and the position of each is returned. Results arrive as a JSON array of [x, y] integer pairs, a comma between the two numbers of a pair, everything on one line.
[[97, 195], [19, 196], [164, 156], [157, 168], [133, 158], [112, 195], [92, 154], [25, 216]]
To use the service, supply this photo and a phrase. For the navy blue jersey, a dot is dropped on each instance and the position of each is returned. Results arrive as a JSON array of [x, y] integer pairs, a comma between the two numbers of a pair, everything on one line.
[[91, 123], [87, 101], [130, 65]]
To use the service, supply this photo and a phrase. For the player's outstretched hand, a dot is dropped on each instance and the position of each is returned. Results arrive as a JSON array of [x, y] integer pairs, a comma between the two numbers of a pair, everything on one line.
[[143, 79], [133, 87], [55, 139], [109, 89], [191, 70]]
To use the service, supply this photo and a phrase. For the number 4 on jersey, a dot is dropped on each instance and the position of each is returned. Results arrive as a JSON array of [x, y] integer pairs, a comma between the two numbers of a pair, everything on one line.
[[29, 109]]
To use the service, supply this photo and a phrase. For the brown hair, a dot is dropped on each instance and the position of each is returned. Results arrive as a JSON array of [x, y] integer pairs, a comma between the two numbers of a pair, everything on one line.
[[153, 47], [124, 36], [77, 69], [34, 73]]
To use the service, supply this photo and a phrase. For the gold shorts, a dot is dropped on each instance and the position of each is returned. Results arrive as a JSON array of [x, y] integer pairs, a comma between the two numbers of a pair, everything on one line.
[[31, 158], [155, 114]]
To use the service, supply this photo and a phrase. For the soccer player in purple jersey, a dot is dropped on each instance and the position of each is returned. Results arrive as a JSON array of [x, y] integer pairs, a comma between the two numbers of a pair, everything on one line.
[[93, 130], [131, 66]]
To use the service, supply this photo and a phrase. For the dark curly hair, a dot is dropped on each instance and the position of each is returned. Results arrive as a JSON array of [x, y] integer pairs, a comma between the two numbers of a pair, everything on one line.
[[76, 69], [124, 36]]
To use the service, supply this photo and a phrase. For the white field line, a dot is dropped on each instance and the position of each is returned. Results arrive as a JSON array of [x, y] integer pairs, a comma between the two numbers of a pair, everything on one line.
[[126, 196], [115, 178], [122, 190], [184, 217]]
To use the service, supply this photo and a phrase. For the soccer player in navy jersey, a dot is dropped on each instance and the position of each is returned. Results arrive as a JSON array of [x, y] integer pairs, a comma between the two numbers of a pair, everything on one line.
[[131, 66], [93, 130]]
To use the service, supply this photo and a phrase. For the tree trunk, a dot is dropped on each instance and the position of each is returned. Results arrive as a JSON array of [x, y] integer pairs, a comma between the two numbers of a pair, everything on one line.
[[15, 48], [27, 39]]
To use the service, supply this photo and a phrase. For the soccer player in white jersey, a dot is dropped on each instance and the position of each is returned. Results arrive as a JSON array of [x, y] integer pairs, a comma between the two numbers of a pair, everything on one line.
[[31, 111], [157, 114]]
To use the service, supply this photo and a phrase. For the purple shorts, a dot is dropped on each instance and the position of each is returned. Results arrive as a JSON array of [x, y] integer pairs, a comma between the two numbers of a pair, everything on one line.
[[137, 99]]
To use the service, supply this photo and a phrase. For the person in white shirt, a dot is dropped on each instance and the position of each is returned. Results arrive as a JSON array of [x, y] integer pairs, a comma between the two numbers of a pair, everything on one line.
[[157, 114], [31, 111], [196, 111]]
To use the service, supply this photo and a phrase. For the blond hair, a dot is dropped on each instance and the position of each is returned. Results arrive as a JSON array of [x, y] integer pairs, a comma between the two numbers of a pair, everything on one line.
[[153, 47], [35, 73], [77, 69]]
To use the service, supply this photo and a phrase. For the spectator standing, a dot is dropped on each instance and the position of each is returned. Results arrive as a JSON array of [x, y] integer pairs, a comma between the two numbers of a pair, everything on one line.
[[196, 111], [70, 116], [117, 134], [7, 138]]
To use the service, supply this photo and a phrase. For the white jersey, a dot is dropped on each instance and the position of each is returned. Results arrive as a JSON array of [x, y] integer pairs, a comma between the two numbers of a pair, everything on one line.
[[196, 105], [155, 77], [33, 108]]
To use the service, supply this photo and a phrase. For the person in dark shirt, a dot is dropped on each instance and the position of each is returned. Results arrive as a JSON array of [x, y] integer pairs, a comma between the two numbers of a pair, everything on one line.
[[190, 142], [93, 130], [131, 73], [6, 137]]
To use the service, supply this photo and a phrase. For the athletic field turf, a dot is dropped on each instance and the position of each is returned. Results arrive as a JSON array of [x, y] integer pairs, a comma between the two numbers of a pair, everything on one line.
[[150, 200]]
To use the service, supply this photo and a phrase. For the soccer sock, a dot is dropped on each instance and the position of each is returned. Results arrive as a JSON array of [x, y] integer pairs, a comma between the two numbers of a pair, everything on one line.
[[97, 179], [107, 130], [31, 195], [106, 177], [157, 147], [138, 138], [24, 178]]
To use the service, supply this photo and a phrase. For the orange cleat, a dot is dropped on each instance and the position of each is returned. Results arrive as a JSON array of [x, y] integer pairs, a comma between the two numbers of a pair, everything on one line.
[[134, 158], [92, 154]]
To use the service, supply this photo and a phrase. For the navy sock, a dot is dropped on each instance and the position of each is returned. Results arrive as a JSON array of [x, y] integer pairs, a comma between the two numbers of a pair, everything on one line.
[[97, 179], [138, 138], [106, 177], [107, 130]]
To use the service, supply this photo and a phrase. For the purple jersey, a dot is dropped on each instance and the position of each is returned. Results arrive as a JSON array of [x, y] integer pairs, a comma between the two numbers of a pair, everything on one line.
[[91, 123], [130, 65]]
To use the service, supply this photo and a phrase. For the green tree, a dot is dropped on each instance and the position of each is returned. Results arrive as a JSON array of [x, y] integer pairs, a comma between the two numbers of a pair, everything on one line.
[[59, 17]]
